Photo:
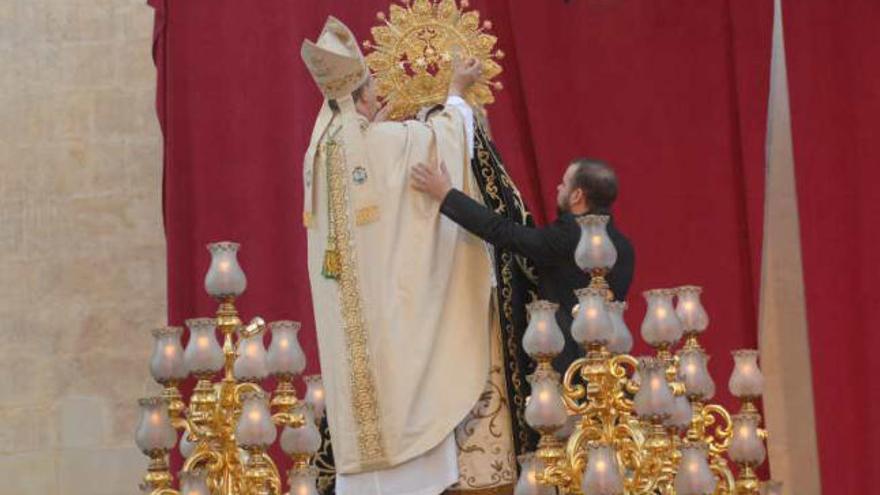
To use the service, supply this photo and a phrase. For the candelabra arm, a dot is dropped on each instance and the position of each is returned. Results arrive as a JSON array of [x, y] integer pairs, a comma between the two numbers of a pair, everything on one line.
[[212, 460], [573, 392], [717, 433], [255, 327], [165, 491], [242, 388], [289, 419]]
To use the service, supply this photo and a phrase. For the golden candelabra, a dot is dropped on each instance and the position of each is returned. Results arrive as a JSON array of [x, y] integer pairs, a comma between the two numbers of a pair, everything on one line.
[[616, 424], [229, 424]]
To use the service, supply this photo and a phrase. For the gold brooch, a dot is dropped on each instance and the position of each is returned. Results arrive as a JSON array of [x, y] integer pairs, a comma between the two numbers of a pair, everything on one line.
[[411, 54]]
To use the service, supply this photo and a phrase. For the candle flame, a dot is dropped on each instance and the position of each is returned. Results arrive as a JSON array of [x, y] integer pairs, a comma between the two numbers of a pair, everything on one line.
[[224, 266], [596, 240], [169, 351], [203, 341], [661, 312], [283, 343], [254, 415]]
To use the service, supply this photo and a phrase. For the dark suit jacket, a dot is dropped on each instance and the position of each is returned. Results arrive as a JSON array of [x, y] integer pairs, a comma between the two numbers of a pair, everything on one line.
[[551, 249]]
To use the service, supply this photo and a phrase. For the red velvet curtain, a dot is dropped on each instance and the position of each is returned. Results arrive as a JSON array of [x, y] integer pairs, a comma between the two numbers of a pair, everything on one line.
[[833, 49], [672, 93]]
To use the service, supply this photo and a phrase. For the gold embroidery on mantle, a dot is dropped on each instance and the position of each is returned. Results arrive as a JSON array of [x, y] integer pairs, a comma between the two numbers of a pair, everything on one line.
[[363, 388], [366, 215]]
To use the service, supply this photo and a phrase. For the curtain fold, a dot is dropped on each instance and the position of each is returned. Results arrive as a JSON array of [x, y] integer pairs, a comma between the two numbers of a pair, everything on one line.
[[832, 49]]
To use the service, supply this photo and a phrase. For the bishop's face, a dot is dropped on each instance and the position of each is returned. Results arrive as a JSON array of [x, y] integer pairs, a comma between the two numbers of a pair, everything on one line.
[[368, 103]]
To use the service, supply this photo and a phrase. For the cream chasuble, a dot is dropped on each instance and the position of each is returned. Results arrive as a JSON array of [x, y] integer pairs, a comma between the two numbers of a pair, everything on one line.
[[403, 328]]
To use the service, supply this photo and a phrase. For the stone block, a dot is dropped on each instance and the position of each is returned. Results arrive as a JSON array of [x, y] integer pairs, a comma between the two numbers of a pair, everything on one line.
[[115, 376], [17, 167], [136, 59], [24, 429], [32, 473], [124, 419], [91, 20], [96, 225], [11, 226], [83, 421], [143, 163], [29, 381], [137, 20], [77, 168], [113, 328], [126, 114], [89, 65], [8, 23], [108, 471]]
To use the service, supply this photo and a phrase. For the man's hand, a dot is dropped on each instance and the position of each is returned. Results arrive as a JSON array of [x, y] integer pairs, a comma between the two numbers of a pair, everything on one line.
[[431, 180], [464, 74]]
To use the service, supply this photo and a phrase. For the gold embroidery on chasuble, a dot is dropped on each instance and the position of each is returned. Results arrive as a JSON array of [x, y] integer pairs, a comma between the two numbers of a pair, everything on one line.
[[363, 389]]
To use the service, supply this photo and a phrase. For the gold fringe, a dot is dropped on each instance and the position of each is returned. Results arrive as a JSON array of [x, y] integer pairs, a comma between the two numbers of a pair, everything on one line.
[[495, 490], [367, 214]]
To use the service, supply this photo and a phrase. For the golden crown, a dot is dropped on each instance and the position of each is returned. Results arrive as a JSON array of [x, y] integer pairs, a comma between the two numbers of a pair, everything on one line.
[[411, 54]]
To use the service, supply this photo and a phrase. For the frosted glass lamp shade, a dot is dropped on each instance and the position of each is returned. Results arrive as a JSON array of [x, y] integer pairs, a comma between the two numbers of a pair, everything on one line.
[[545, 410], [746, 447], [315, 394], [543, 337], [690, 310], [621, 341], [528, 484], [661, 325], [194, 483], [592, 324], [304, 481], [594, 249], [166, 364], [747, 380], [654, 400], [693, 371], [682, 413], [602, 474], [186, 446], [203, 355], [286, 357], [251, 362], [225, 277], [154, 431], [255, 427], [304, 440], [694, 476]]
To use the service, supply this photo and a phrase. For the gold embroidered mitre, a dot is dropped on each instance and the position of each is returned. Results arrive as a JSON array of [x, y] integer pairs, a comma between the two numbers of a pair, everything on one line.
[[335, 60]]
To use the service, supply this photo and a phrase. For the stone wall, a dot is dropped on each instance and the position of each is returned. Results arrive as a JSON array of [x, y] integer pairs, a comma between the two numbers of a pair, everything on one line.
[[82, 266]]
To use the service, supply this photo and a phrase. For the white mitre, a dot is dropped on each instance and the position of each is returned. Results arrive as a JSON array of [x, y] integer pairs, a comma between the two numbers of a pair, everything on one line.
[[338, 67], [335, 60]]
